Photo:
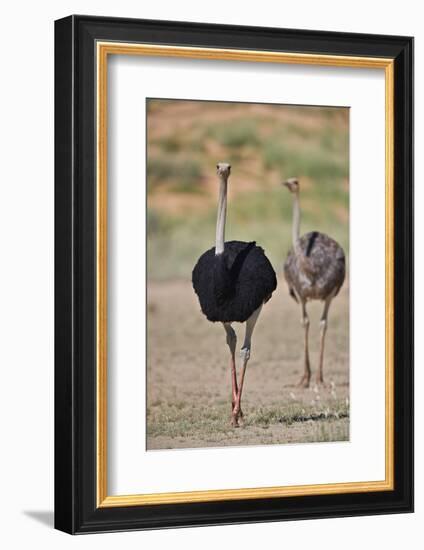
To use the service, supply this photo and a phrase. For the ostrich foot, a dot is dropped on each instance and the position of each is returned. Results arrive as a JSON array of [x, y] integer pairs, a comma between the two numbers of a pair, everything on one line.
[[237, 418], [234, 421], [304, 381], [320, 382], [237, 422], [240, 413]]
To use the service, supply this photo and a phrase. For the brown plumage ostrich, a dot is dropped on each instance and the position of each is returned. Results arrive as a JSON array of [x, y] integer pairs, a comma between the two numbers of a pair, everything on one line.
[[314, 270]]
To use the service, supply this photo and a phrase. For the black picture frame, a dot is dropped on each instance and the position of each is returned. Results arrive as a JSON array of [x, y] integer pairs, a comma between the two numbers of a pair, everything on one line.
[[76, 510]]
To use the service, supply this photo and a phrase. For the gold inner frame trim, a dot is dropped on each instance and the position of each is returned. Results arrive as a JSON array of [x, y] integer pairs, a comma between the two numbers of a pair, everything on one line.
[[103, 50]]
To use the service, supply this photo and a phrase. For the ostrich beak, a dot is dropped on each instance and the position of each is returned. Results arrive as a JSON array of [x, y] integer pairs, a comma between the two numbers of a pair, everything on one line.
[[223, 168]]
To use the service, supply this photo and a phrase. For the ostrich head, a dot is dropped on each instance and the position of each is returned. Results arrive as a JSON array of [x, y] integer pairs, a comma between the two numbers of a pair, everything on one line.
[[223, 169], [292, 185]]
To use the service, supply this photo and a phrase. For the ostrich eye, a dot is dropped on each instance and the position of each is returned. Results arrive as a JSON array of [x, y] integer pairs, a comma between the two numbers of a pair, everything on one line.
[[217, 166]]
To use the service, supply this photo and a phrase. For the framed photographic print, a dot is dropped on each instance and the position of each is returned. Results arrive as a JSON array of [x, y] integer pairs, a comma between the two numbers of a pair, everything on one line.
[[234, 269]]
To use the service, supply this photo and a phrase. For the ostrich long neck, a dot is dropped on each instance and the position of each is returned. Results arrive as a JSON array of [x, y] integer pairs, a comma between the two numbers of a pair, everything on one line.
[[296, 223], [222, 214]]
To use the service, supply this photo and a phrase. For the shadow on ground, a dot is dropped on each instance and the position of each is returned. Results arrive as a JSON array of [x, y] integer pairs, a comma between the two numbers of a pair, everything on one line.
[[46, 517]]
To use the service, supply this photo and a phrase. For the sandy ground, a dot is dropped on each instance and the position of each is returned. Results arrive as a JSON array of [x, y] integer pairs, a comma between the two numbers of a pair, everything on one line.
[[189, 385]]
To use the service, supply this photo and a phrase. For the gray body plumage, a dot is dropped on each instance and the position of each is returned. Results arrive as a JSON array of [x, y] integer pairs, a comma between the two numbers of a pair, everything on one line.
[[318, 270]]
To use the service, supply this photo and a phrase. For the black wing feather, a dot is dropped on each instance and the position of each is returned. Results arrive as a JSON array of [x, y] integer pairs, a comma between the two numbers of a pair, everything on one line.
[[232, 285]]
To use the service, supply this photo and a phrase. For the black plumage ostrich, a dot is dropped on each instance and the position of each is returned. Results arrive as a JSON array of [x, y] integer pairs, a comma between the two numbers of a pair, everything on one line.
[[232, 281], [314, 270]]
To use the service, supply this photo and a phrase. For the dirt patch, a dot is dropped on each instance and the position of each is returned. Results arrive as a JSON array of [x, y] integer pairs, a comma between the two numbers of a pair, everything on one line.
[[188, 378]]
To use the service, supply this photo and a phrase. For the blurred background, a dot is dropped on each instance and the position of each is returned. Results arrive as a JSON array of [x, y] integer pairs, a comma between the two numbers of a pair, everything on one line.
[[264, 144], [188, 377]]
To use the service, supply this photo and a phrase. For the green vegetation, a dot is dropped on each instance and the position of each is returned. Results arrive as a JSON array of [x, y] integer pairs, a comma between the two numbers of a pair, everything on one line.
[[264, 144], [183, 173], [240, 133], [308, 160]]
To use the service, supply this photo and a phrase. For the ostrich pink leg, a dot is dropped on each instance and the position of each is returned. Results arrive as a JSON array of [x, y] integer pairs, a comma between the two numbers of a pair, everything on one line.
[[323, 326], [304, 381], [232, 342], [245, 355]]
